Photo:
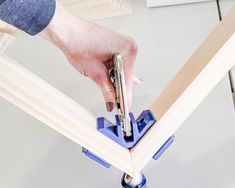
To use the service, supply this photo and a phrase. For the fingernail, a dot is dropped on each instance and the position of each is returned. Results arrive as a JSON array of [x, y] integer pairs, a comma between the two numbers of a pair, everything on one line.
[[109, 106]]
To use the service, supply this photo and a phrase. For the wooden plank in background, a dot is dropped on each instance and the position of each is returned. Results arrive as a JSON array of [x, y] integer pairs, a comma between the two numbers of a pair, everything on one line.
[[93, 10]]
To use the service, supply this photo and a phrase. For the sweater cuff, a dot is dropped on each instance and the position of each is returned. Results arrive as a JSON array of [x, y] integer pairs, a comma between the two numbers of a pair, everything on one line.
[[31, 16]]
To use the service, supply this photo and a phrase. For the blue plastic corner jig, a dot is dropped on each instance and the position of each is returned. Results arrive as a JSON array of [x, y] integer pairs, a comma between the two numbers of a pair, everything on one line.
[[139, 127], [115, 132]]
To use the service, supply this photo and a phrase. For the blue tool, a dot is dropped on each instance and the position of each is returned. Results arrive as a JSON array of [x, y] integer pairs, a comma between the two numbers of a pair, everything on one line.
[[127, 131], [115, 131]]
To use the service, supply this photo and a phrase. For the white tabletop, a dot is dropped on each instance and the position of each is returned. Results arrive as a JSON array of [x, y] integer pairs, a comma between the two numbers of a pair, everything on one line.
[[203, 155]]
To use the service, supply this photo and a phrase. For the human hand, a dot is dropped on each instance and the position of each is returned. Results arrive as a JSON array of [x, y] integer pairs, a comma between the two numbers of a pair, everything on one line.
[[89, 49]]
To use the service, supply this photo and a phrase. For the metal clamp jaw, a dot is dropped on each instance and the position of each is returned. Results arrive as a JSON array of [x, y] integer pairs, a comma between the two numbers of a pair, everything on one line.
[[117, 77]]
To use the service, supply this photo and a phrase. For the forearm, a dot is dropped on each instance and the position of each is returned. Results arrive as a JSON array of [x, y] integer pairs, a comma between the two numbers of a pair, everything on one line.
[[31, 16], [62, 28], [58, 32]]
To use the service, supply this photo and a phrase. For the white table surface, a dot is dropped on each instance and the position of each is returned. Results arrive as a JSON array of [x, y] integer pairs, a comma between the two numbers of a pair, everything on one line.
[[35, 156]]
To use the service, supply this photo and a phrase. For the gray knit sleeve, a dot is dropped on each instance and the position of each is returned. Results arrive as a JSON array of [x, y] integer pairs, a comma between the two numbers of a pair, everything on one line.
[[31, 16]]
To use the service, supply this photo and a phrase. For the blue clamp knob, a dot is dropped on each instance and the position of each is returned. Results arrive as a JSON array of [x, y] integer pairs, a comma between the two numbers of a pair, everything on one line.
[[143, 183]]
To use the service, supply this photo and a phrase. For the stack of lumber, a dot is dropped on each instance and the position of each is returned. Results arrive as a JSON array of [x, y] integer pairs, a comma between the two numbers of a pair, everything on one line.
[[93, 9], [87, 9]]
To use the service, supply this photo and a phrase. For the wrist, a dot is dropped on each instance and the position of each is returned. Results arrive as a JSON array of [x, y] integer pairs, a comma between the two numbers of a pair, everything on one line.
[[60, 29]]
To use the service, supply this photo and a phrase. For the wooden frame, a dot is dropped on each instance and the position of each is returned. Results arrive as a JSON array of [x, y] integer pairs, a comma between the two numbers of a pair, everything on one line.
[[185, 92]]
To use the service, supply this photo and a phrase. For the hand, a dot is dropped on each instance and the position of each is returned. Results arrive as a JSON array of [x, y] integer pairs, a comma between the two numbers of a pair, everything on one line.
[[89, 49]]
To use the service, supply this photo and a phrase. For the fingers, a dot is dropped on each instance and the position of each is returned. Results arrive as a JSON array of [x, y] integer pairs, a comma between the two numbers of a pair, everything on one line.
[[129, 64], [99, 74], [137, 81], [109, 64]]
